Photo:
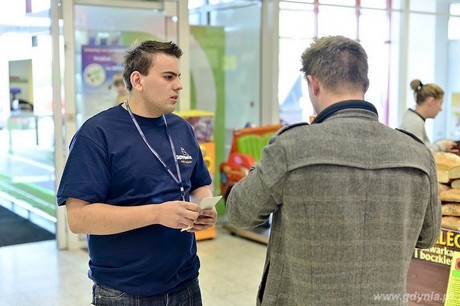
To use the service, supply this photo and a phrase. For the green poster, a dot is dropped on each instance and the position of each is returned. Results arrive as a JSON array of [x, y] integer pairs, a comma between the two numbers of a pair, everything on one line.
[[207, 53]]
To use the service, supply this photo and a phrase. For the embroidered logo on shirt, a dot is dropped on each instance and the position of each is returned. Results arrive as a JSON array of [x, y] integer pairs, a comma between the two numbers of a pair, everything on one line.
[[184, 157]]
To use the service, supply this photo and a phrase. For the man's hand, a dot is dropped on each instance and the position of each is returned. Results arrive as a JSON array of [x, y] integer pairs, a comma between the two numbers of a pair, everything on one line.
[[205, 220], [178, 214]]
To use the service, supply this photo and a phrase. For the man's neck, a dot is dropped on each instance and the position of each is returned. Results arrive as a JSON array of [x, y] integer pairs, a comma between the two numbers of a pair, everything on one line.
[[139, 109], [329, 99]]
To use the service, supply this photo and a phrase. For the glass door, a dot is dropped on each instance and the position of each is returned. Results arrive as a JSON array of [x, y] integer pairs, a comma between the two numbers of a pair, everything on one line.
[[225, 40], [27, 175], [96, 35]]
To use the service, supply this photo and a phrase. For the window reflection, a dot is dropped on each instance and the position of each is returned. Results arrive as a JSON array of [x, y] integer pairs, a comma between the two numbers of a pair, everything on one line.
[[303, 18], [454, 22], [396, 48], [337, 21]]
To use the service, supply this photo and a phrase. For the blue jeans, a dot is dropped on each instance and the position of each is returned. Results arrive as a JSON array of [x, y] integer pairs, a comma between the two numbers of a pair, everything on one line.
[[189, 295]]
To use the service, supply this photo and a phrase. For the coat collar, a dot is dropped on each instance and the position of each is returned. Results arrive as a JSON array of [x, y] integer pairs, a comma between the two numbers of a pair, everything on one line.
[[415, 112], [330, 110]]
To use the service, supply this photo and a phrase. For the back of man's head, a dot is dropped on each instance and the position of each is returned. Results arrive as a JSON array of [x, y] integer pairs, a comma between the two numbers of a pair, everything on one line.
[[337, 61]]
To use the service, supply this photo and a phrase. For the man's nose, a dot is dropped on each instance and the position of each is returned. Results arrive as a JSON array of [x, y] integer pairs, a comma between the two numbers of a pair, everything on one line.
[[178, 85]]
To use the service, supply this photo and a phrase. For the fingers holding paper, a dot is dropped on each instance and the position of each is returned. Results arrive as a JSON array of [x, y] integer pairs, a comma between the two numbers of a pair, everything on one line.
[[207, 216], [178, 214], [205, 220]]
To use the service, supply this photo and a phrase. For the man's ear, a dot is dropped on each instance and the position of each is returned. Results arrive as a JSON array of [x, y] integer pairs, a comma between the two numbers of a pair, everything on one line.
[[314, 85], [136, 80]]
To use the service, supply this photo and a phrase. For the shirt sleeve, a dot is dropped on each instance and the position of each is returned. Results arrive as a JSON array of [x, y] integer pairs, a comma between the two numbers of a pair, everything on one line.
[[256, 196], [86, 173]]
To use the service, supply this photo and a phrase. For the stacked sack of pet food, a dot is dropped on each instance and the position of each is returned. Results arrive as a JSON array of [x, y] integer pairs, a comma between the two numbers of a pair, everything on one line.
[[448, 171]]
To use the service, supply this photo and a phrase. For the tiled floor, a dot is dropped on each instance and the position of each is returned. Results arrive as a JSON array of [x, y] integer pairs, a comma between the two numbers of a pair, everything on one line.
[[39, 274]]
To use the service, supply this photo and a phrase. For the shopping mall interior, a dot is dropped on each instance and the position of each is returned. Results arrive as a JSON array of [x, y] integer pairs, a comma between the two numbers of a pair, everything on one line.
[[59, 61]]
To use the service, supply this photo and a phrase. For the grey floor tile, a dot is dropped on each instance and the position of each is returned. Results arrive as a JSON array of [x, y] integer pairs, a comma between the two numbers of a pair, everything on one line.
[[40, 274]]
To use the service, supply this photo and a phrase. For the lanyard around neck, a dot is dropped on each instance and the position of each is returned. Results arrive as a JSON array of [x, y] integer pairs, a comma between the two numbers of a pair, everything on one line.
[[177, 179]]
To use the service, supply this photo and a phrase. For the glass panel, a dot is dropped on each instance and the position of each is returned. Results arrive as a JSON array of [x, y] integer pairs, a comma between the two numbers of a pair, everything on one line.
[[100, 43], [27, 178], [219, 1], [422, 49], [338, 2], [225, 47], [337, 21], [454, 22], [367, 29], [453, 79], [286, 5], [242, 32], [454, 28], [455, 9], [422, 57], [235, 72], [301, 2], [394, 70], [423, 6], [293, 97], [195, 18], [297, 23], [375, 41], [396, 4], [379, 4], [196, 3]]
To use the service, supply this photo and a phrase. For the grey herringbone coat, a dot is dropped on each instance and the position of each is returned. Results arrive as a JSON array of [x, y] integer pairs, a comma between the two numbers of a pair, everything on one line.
[[350, 198]]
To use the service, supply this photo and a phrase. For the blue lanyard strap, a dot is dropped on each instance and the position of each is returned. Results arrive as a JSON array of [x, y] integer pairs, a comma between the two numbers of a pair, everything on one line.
[[177, 179]]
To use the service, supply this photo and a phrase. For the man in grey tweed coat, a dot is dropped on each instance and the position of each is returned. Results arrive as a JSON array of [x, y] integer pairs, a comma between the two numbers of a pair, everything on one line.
[[351, 198]]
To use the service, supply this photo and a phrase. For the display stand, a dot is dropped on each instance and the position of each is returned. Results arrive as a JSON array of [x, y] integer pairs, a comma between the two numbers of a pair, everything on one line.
[[428, 274], [258, 234], [246, 150], [202, 123], [210, 233]]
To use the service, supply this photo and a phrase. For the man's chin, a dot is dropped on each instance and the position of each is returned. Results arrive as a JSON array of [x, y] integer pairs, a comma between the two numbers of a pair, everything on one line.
[[170, 109]]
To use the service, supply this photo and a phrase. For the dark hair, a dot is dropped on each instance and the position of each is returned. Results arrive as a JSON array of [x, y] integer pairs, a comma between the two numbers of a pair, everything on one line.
[[337, 61], [425, 91], [140, 58]]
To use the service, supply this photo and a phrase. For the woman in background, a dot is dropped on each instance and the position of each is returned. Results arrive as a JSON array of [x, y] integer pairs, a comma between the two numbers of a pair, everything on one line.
[[120, 87], [429, 99]]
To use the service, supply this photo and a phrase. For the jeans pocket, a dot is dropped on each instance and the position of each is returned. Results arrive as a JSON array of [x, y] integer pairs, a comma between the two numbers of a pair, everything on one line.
[[104, 296]]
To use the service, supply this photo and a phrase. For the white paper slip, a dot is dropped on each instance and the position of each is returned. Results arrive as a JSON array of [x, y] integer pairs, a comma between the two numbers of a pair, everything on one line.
[[209, 202], [206, 203]]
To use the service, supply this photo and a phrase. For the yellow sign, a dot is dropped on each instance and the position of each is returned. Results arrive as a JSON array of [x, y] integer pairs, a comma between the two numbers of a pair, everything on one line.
[[443, 251], [453, 286], [455, 106]]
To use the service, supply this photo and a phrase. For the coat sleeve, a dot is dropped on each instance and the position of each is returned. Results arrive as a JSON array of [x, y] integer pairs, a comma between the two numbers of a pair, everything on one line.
[[432, 223], [252, 200]]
